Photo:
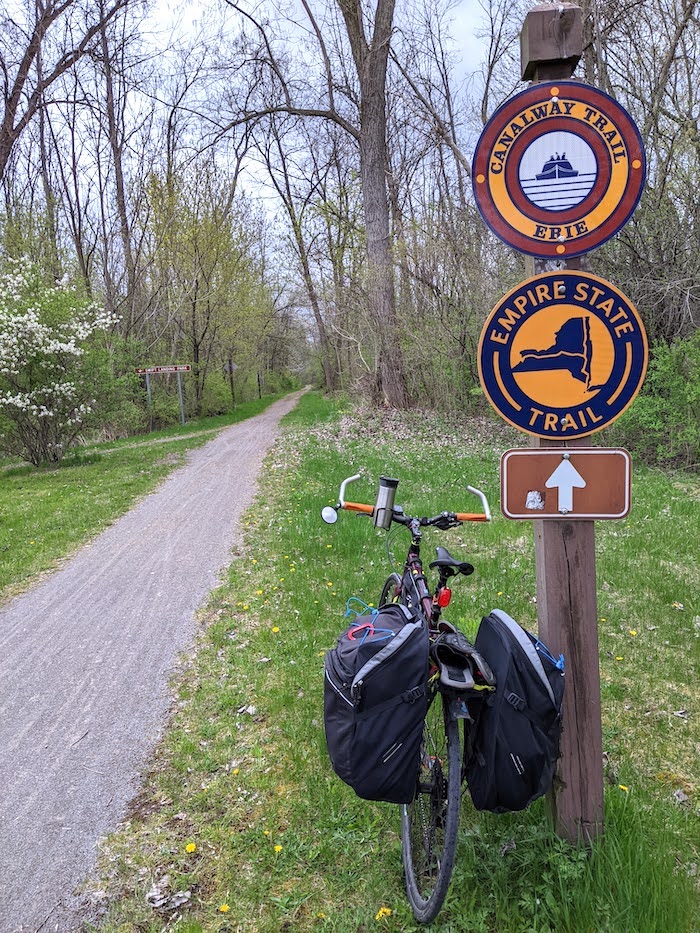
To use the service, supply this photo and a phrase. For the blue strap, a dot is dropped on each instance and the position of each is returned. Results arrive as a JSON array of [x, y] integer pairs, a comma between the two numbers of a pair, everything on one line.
[[544, 650]]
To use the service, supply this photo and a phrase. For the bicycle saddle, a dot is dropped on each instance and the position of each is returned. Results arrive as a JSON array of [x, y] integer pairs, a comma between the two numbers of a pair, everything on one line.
[[446, 562]]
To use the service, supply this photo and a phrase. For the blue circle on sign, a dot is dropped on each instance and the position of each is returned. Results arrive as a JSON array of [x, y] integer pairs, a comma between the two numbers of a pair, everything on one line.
[[562, 355]]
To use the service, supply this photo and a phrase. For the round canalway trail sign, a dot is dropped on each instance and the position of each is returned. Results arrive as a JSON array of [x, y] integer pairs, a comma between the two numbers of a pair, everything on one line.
[[562, 355], [558, 170]]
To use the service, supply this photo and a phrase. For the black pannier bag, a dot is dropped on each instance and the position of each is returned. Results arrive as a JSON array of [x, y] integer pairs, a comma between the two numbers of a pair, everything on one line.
[[517, 736], [375, 700]]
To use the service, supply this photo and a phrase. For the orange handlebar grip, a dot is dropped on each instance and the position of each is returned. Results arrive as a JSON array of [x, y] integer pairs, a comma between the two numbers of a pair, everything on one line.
[[471, 517], [358, 507]]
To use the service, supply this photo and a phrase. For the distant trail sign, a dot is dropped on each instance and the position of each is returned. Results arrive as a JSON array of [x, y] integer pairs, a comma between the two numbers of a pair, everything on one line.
[[558, 170], [156, 370], [149, 371], [562, 355]]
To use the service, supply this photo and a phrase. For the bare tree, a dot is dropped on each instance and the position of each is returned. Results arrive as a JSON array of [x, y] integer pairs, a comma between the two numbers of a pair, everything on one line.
[[368, 32], [297, 205], [55, 34]]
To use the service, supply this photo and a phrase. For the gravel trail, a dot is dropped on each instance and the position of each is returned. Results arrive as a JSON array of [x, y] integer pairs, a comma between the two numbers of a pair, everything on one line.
[[85, 659]]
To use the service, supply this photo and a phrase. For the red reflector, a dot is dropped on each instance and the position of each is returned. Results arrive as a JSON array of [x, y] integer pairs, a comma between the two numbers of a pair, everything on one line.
[[444, 597]]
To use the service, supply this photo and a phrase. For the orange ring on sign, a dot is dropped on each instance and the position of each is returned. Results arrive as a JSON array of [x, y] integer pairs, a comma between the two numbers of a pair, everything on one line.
[[559, 169]]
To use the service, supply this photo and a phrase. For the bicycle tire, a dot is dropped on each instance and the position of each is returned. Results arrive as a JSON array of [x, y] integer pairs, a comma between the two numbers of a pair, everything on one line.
[[390, 589], [429, 824]]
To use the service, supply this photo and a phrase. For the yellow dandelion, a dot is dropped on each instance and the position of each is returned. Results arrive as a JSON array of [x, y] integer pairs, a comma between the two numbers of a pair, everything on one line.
[[329, 584], [224, 909], [191, 847], [236, 771], [278, 848], [320, 915], [633, 632], [619, 658], [255, 560], [246, 606], [382, 913], [275, 628], [623, 787], [259, 592], [603, 620]]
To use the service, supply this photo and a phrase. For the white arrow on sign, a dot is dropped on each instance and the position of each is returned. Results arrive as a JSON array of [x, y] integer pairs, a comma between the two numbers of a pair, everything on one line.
[[565, 478]]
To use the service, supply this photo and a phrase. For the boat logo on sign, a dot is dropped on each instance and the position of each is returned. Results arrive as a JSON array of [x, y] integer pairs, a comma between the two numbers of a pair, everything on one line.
[[562, 355], [558, 186]]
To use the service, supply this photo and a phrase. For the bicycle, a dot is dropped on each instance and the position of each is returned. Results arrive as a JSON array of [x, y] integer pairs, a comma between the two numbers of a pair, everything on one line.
[[430, 822]]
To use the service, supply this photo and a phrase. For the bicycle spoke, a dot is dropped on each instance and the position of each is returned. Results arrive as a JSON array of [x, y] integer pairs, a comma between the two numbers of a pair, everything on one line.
[[429, 824]]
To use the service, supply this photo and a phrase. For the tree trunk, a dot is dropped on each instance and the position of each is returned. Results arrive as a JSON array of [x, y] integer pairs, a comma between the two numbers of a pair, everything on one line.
[[329, 373], [371, 63], [115, 143]]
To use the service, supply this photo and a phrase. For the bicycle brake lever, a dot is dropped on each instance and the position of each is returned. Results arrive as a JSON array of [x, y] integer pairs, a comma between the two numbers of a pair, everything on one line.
[[447, 521]]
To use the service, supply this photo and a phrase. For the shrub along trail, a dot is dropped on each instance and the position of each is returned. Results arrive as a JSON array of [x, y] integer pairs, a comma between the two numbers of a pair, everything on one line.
[[85, 658]]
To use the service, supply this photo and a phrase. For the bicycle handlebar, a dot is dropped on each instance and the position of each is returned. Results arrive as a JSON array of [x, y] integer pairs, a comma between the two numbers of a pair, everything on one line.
[[341, 495], [358, 507], [443, 521]]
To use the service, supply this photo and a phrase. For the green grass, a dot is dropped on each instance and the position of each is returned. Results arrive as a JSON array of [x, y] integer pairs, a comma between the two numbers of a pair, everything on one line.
[[46, 513], [243, 780]]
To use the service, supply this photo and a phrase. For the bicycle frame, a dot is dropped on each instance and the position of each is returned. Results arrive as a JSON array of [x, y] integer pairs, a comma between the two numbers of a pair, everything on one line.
[[414, 579]]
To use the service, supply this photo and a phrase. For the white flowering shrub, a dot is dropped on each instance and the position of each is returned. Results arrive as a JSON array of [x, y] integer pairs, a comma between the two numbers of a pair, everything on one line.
[[51, 364]]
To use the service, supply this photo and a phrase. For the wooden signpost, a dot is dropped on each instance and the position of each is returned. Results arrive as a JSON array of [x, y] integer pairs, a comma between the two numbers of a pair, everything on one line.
[[558, 170]]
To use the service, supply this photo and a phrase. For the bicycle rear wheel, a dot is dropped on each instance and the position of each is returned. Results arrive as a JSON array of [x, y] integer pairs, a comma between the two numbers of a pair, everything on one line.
[[429, 824]]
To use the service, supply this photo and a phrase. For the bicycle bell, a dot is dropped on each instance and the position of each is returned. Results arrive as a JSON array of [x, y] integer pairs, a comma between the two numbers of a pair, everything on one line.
[[385, 502]]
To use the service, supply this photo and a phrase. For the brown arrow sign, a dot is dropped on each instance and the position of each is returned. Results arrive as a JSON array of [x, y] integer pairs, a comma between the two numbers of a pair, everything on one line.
[[566, 482]]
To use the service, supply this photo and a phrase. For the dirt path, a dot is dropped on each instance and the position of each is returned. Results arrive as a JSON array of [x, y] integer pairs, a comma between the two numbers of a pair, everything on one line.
[[85, 658]]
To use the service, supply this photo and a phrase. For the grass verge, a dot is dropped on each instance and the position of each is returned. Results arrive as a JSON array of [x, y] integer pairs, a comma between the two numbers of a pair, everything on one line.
[[242, 826], [46, 513]]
